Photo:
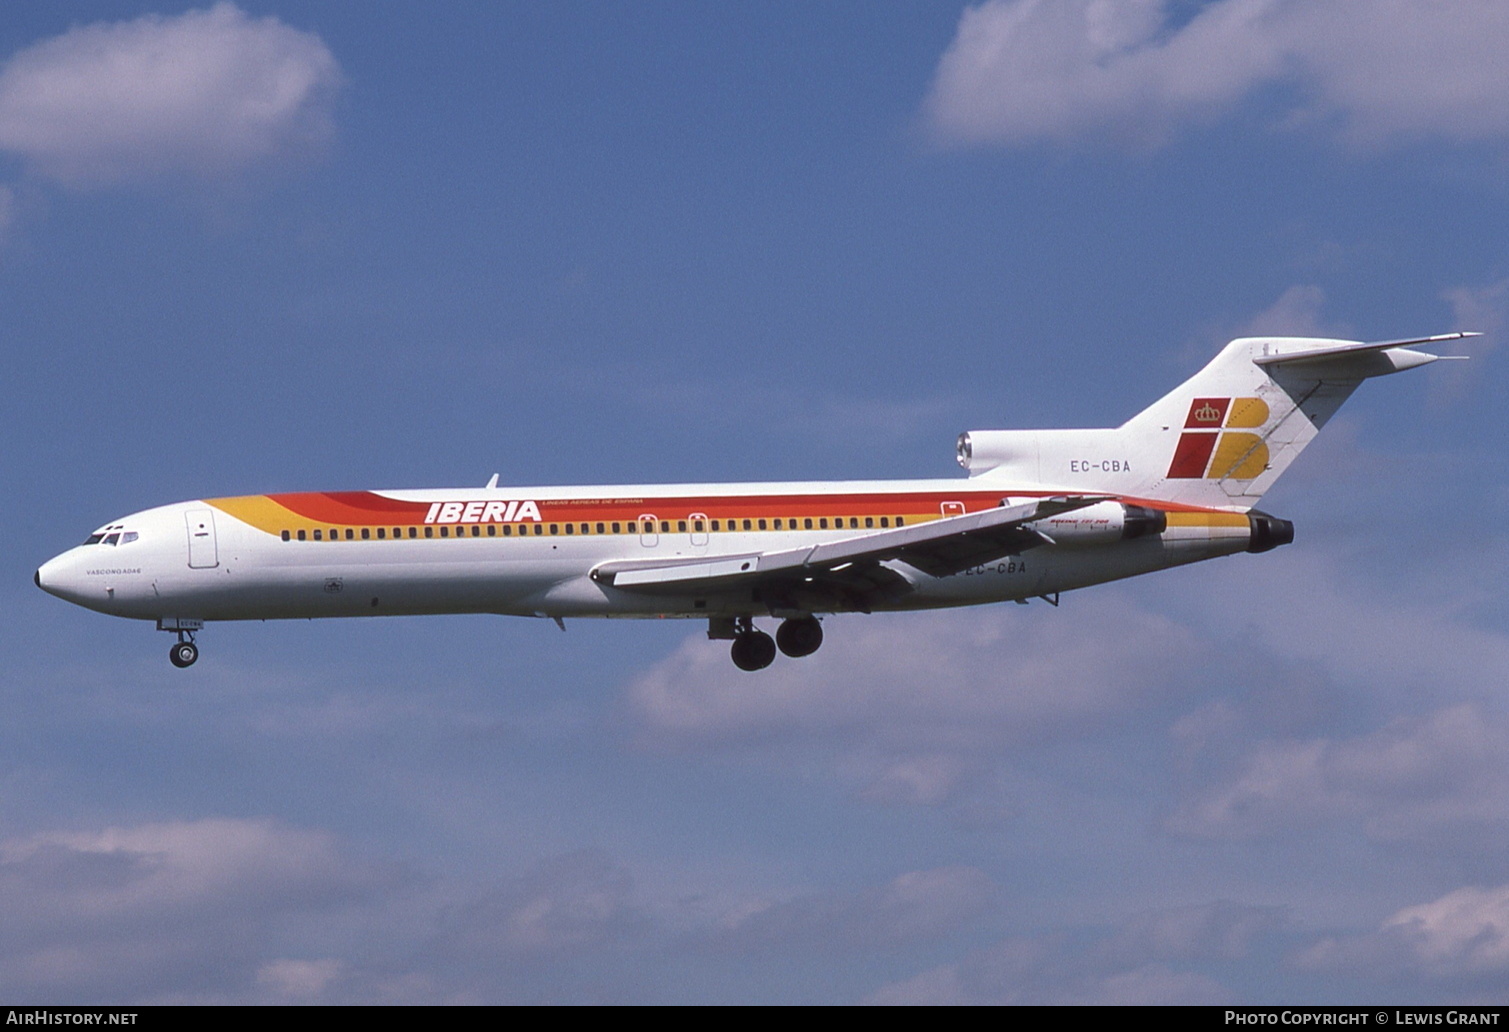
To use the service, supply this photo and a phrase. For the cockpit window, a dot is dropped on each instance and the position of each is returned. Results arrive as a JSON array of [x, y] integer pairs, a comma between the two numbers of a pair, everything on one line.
[[129, 536], [110, 539], [95, 539]]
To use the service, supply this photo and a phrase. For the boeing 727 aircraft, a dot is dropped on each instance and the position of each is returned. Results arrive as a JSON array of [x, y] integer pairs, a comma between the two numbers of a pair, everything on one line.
[[1041, 512]]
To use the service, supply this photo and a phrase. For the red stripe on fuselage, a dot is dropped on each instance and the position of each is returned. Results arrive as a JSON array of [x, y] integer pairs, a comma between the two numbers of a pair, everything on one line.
[[358, 508]]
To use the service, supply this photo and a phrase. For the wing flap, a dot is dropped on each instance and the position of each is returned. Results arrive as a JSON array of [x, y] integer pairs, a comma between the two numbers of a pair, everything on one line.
[[851, 566]]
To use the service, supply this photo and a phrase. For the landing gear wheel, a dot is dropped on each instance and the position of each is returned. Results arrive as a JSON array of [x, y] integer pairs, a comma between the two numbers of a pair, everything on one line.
[[799, 636], [753, 650], [183, 654]]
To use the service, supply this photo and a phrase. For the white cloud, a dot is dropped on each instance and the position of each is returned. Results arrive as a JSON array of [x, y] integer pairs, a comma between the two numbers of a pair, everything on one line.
[[1483, 309], [566, 905], [135, 910], [1296, 313], [1379, 71], [299, 980], [1466, 929], [7, 210], [1407, 780], [918, 905], [1222, 929], [206, 93], [1130, 964], [926, 708], [924, 683], [1463, 934]]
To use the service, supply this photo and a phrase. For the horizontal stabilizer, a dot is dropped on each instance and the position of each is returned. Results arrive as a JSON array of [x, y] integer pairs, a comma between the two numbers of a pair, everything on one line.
[[1364, 347]]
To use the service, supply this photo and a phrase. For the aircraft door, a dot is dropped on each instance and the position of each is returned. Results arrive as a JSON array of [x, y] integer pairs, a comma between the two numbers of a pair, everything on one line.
[[953, 508], [204, 554], [699, 524], [648, 536]]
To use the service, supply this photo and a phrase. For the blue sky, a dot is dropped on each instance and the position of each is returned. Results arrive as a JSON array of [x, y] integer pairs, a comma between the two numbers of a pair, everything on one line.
[[287, 247]]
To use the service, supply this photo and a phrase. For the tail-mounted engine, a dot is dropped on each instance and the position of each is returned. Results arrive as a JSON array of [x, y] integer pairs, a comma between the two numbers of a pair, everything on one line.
[[1101, 524], [1268, 532]]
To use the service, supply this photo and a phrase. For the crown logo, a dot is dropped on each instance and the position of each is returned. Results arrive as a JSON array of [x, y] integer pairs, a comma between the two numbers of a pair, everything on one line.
[[1207, 413]]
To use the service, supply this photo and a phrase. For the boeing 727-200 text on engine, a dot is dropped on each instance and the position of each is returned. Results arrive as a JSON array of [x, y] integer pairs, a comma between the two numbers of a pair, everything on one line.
[[1041, 512]]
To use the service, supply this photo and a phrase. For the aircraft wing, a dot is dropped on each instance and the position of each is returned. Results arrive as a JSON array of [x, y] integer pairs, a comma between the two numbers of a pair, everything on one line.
[[850, 568]]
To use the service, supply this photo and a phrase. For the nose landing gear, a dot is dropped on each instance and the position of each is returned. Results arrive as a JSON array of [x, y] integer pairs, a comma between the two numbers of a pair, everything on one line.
[[184, 652]]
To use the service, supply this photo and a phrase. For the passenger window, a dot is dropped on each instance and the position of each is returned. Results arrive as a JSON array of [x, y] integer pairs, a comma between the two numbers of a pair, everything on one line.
[[413, 532], [350, 534], [602, 528], [286, 535], [301, 535], [429, 532], [507, 530], [697, 526], [681, 526], [316, 535], [617, 528], [366, 533], [869, 521], [807, 524], [762, 524], [777, 524], [823, 523], [665, 526], [539, 528], [492, 530], [570, 529], [899, 521], [746, 524], [555, 528], [445, 532], [476, 530], [715, 526], [885, 521]]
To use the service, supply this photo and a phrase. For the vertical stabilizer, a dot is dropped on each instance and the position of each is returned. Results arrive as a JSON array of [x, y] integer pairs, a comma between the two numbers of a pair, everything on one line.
[[1219, 439]]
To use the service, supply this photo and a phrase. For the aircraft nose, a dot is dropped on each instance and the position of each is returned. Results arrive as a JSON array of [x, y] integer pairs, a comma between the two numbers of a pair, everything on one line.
[[52, 578], [47, 583]]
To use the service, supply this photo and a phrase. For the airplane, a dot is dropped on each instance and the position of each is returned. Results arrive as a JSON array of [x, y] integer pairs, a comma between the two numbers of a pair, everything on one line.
[[1040, 512]]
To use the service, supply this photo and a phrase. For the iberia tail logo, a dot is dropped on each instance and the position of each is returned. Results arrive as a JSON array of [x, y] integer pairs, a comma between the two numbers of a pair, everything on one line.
[[1209, 448]]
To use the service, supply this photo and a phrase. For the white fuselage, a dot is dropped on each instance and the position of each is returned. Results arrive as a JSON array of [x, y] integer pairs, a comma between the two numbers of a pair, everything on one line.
[[230, 559]]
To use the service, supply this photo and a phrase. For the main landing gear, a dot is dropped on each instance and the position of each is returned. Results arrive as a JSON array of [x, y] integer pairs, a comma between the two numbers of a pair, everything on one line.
[[799, 637], [753, 649]]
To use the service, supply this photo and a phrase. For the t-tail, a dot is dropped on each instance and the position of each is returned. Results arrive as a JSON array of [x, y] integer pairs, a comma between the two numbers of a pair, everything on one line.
[[1218, 440]]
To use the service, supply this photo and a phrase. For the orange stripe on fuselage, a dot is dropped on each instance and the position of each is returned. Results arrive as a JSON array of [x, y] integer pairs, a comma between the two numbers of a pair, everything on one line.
[[308, 510]]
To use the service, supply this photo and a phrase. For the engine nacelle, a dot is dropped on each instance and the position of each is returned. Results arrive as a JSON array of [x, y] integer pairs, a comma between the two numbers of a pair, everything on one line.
[[1101, 524], [982, 450], [1268, 532]]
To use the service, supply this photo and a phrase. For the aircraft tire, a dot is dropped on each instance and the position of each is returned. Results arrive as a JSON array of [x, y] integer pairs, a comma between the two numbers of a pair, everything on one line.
[[183, 654], [753, 651], [799, 637]]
